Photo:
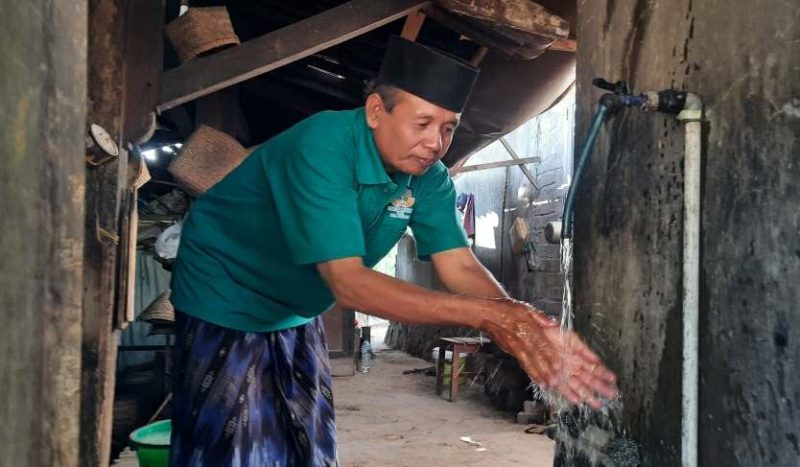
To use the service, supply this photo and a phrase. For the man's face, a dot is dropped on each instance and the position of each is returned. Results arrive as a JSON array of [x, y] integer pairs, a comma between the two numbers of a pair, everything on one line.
[[414, 135]]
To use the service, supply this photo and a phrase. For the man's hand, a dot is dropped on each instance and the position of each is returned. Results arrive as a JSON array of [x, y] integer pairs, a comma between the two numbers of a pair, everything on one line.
[[557, 361]]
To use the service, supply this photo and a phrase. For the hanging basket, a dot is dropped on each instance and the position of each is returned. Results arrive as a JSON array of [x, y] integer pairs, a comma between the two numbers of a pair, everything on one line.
[[200, 31], [206, 158]]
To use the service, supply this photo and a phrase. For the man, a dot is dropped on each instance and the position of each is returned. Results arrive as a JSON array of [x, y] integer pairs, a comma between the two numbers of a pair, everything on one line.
[[294, 231]]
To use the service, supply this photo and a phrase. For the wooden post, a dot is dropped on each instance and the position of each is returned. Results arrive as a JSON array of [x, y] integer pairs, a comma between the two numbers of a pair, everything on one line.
[[142, 66], [413, 25], [221, 111], [42, 131], [105, 185]]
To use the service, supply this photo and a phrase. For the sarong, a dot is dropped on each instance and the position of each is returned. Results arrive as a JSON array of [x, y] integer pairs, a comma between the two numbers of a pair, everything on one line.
[[251, 399]]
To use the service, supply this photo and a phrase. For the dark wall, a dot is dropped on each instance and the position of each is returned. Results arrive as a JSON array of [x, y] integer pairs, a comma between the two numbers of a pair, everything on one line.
[[742, 58], [43, 97]]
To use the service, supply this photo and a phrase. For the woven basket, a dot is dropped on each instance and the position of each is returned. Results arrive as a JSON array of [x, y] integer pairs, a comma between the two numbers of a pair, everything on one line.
[[200, 31], [160, 311], [206, 158]]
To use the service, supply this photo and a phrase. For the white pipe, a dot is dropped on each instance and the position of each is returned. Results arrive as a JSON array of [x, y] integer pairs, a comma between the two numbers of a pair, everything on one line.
[[691, 116]]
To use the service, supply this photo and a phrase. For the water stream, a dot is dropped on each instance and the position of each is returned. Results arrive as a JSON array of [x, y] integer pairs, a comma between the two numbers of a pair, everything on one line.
[[584, 436]]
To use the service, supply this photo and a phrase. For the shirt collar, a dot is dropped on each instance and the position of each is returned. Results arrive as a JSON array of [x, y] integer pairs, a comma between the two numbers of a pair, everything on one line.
[[369, 166]]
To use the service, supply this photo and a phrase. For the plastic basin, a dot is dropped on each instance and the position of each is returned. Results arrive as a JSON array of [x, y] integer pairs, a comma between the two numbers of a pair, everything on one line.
[[152, 444]]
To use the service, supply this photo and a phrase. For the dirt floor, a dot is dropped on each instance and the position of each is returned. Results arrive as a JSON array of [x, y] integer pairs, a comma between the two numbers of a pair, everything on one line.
[[385, 418]]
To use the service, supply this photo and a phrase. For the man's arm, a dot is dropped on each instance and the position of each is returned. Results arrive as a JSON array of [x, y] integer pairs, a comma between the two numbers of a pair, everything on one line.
[[563, 363], [462, 273]]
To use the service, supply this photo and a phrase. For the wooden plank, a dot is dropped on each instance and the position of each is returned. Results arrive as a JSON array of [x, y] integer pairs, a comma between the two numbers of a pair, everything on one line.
[[481, 35], [144, 54], [524, 15], [413, 25], [493, 165], [205, 75], [564, 45], [479, 55], [105, 185], [42, 130], [219, 110]]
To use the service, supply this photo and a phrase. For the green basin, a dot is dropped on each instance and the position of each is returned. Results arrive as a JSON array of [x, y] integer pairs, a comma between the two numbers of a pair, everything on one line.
[[152, 444]]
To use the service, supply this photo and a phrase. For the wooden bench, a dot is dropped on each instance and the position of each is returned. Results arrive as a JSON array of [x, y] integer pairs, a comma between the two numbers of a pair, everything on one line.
[[457, 345]]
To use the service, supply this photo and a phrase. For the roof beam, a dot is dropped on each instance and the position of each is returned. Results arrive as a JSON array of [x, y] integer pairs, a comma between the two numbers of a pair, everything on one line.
[[413, 25], [524, 15], [231, 66], [522, 167], [493, 165]]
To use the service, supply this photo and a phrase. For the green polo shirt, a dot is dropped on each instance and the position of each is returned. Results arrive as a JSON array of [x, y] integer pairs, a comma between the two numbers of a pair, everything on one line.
[[314, 193]]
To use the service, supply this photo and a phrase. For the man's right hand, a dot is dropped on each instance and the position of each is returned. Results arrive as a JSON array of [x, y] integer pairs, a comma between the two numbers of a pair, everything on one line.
[[557, 361]]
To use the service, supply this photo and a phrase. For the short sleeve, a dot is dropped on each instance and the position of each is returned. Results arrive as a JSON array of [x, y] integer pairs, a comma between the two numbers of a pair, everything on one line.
[[316, 197], [435, 222]]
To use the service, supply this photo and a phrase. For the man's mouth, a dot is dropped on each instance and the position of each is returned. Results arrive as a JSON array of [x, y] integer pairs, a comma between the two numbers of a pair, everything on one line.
[[424, 161]]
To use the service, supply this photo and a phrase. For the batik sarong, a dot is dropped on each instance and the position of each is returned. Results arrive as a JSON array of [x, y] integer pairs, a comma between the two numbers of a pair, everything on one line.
[[251, 399]]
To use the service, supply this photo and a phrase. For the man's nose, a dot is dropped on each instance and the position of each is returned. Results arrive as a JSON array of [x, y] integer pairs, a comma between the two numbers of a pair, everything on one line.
[[433, 141]]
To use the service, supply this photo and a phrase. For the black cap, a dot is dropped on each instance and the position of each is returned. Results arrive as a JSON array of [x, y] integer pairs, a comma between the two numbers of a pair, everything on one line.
[[431, 74]]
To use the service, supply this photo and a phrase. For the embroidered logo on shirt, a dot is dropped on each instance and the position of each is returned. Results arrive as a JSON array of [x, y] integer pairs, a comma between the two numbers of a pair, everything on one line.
[[401, 207]]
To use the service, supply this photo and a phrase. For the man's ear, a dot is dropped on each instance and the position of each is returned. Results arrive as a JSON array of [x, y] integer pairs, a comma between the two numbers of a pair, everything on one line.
[[375, 109]]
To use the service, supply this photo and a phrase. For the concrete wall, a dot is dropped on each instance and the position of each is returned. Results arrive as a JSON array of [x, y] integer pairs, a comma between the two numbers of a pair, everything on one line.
[[501, 195], [743, 58]]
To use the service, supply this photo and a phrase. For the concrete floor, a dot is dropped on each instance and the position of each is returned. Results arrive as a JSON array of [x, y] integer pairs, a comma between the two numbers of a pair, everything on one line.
[[385, 418]]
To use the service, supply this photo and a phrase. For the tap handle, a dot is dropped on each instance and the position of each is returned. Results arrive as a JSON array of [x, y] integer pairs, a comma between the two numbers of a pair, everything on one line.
[[619, 87]]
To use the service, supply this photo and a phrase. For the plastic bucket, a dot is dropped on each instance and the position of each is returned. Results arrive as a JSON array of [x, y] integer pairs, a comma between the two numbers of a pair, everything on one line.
[[152, 444]]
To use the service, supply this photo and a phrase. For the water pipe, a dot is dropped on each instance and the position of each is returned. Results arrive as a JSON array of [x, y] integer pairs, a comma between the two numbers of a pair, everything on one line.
[[666, 101], [594, 130], [691, 115], [689, 110]]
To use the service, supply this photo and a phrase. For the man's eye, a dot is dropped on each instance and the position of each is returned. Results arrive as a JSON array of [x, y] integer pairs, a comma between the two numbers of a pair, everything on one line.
[[422, 126], [448, 130]]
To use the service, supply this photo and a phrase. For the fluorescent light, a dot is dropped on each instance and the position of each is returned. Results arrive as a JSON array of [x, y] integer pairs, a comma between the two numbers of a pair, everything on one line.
[[150, 154]]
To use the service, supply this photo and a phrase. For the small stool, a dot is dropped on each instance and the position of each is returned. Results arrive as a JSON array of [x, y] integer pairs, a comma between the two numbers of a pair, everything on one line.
[[457, 345]]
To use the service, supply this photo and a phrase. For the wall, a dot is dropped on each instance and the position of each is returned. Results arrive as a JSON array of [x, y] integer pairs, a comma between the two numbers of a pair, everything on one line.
[[498, 202], [151, 280], [42, 186], [742, 58]]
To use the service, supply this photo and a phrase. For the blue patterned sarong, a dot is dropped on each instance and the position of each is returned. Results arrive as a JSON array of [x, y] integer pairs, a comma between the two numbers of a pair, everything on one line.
[[251, 399]]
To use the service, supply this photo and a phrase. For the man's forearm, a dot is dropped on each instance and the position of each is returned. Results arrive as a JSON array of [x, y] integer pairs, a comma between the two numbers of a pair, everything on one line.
[[358, 287], [461, 273]]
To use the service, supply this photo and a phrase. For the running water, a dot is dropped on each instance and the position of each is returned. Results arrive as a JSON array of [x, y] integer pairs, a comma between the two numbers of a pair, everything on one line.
[[566, 300], [590, 437]]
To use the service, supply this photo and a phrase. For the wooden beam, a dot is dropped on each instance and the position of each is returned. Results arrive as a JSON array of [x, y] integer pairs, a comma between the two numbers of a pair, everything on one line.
[[479, 55], [493, 165], [503, 44], [105, 186], [524, 15], [205, 75], [218, 110], [142, 67], [524, 169], [564, 45], [413, 25]]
